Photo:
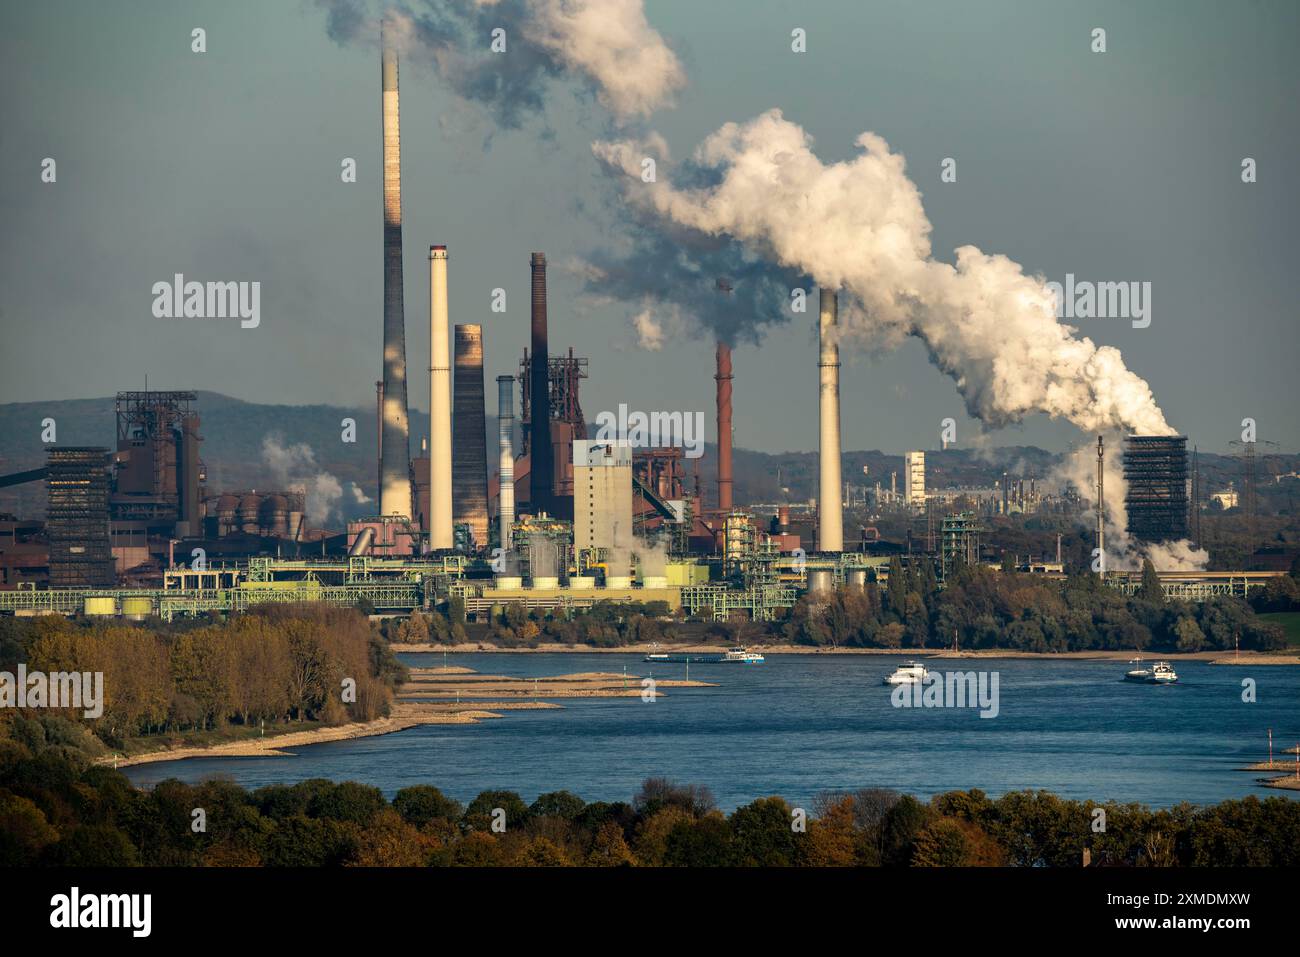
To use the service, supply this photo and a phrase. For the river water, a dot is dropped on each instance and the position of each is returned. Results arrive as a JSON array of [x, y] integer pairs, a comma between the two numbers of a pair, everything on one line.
[[800, 724]]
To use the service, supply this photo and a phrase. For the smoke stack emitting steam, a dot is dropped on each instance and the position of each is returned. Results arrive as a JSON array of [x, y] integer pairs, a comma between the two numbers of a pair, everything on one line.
[[859, 227], [830, 522], [441, 531], [395, 460], [723, 378]]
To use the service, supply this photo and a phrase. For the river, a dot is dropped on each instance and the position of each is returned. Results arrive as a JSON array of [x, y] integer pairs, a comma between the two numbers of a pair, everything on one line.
[[800, 724]]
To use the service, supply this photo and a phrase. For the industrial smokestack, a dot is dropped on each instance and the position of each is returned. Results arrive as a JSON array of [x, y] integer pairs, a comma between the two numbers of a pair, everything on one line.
[[723, 379], [830, 523], [441, 529], [469, 467], [506, 432], [542, 470], [395, 464], [1101, 505]]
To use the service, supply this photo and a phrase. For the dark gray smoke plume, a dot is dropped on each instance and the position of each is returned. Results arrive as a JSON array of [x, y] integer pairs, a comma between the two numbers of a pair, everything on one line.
[[606, 44]]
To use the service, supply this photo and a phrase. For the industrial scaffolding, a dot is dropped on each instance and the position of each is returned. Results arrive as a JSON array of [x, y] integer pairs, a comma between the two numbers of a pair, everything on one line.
[[960, 542], [1155, 469], [81, 553]]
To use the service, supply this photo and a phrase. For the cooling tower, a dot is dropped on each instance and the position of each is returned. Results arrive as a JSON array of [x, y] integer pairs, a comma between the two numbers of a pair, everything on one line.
[[830, 523], [469, 465], [505, 432], [541, 463], [395, 465], [441, 529]]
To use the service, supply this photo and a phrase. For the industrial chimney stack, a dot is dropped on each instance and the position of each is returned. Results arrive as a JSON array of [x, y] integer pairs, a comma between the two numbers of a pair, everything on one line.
[[539, 443], [506, 431], [830, 522], [723, 378], [441, 532], [469, 468], [1101, 505], [395, 463]]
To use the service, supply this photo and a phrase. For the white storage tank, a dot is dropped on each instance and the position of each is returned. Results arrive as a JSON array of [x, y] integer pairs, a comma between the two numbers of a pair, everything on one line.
[[821, 581]]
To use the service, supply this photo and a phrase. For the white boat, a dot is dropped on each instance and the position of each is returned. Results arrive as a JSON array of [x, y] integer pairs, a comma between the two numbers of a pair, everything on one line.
[[908, 673], [1137, 672], [1160, 673], [743, 656]]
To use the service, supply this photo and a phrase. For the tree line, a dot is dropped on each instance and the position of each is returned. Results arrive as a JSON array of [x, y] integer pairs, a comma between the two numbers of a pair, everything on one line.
[[989, 608], [274, 665], [56, 810]]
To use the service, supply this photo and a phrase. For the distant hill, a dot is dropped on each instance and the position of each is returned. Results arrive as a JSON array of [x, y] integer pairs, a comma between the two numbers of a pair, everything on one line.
[[234, 433]]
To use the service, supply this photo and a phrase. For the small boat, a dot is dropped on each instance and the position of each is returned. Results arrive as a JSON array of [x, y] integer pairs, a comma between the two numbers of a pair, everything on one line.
[[1160, 673], [1137, 672], [908, 673], [743, 656]]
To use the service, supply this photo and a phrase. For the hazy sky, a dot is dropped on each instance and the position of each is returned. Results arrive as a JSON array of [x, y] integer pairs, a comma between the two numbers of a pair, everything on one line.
[[225, 166]]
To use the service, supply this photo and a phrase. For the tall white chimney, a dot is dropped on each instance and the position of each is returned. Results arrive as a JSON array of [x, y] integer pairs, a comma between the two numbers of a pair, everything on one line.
[[830, 521], [441, 532], [506, 432]]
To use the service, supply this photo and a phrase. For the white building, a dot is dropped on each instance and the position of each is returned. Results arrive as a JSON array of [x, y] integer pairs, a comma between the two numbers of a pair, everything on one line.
[[602, 494], [1226, 499], [914, 479]]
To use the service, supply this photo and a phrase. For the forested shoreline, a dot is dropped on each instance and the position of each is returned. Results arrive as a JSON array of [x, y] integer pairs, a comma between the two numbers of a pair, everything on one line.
[[276, 666], [980, 608], [57, 810]]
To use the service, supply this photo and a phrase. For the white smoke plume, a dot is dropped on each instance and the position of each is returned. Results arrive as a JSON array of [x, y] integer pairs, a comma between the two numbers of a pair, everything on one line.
[[859, 226], [294, 467], [607, 45], [656, 325]]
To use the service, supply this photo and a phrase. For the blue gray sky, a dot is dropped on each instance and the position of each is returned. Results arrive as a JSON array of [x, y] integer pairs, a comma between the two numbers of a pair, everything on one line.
[[225, 165]]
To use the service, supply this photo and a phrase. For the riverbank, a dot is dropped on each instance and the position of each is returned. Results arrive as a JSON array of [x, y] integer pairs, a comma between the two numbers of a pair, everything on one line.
[[644, 648], [426, 699], [275, 745]]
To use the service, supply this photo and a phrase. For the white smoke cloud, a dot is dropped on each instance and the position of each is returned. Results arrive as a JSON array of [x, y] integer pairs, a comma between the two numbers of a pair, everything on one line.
[[295, 468], [859, 226], [610, 41], [656, 327]]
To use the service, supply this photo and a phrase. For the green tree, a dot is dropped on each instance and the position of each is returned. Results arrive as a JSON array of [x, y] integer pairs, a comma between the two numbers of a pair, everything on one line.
[[1150, 589], [422, 803], [762, 835], [1188, 635]]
